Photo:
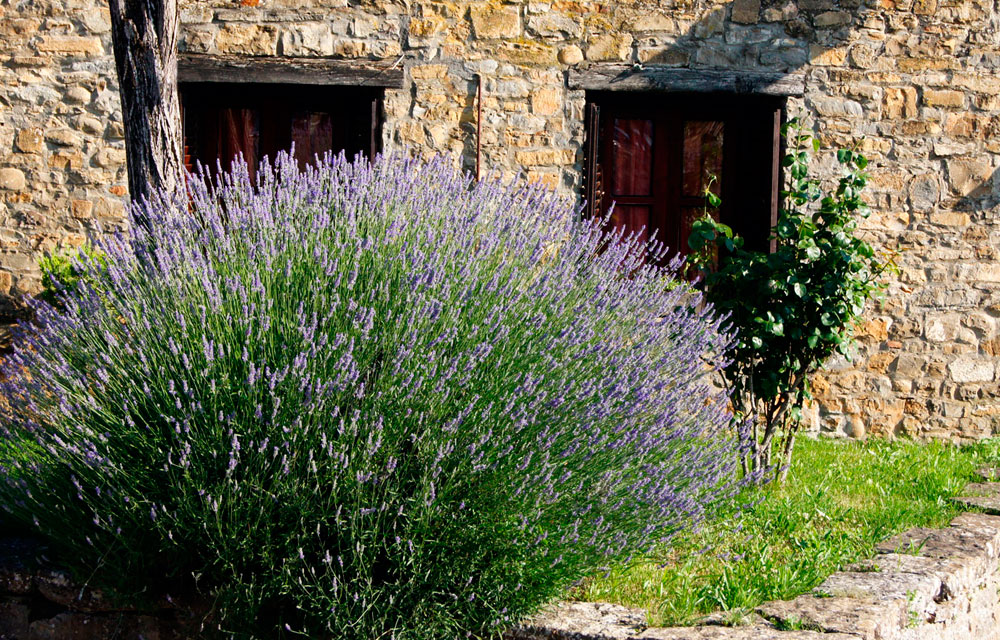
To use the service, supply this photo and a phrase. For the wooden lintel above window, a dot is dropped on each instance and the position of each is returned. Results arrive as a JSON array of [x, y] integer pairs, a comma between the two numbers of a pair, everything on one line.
[[625, 77], [281, 70]]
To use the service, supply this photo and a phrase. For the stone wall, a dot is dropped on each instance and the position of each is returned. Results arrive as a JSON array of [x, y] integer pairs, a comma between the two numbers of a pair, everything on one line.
[[38, 603], [62, 172], [916, 79], [927, 584]]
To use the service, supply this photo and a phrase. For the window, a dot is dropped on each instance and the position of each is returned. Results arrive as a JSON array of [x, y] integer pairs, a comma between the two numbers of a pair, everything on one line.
[[654, 156], [222, 120]]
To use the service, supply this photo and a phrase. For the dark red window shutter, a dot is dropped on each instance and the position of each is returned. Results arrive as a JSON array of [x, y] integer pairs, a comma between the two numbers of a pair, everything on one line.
[[592, 168]]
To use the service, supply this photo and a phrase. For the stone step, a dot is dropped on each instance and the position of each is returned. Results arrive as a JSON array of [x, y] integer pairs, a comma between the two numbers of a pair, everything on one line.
[[982, 495], [989, 474]]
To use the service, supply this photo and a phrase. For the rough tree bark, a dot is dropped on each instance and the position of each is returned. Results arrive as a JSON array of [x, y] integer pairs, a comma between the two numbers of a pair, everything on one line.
[[144, 36]]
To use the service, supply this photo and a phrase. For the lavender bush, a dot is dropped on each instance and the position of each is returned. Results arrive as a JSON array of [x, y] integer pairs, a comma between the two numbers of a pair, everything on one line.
[[364, 401]]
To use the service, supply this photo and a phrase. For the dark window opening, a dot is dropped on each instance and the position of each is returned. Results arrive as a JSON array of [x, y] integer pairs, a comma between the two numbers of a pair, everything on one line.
[[223, 120], [654, 157]]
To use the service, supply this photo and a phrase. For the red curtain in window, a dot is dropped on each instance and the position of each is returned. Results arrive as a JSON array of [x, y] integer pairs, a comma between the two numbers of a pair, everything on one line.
[[312, 135], [701, 172], [227, 133]]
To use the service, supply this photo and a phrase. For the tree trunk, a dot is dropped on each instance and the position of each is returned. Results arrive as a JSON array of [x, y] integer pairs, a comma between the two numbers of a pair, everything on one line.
[[144, 35]]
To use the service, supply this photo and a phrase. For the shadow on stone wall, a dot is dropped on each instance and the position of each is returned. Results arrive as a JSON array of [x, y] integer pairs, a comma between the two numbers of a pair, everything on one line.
[[824, 40], [982, 198]]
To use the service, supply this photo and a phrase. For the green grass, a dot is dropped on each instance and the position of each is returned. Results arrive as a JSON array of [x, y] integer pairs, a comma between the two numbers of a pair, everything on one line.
[[840, 500]]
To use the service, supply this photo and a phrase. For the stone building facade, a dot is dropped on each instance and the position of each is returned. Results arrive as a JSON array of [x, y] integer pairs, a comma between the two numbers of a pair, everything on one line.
[[507, 85]]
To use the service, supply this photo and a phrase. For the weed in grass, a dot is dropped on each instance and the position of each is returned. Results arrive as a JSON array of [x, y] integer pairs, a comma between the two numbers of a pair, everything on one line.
[[793, 624], [913, 618]]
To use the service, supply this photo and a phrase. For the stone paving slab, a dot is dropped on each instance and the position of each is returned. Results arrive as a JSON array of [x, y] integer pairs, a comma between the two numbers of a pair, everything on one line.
[[952, 542], [601, 621], [754, 632], [989, 474], [583, 621], [982, 495], [918, 590], [865, 618], [983, 488], [954, 575], [989, 504]]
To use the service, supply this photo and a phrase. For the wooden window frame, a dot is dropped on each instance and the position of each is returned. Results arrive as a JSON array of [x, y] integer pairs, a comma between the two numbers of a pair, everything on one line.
[[763, 113], [316, 79], [280, 98], [637, 82], [285, 70]]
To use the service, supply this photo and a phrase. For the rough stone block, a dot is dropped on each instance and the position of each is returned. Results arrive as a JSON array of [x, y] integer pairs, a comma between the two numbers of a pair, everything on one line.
[[70, 45], [64, 138], [248, 39], [351, 49], [491, 21], [956, 575], [14, 620], [951, 543], [74, 626], [582, 621], [746, 11], [12, 179], [965, 175], [571, 55], [90, 125], [830, 19], [667, 56], [62, 160], [863, 56], [429, 72], [944, 98], [427, 26], [552, 25], [77, 95], [838, 107], [900, 102], [196, 40], [925, 192], [917, 590], [610, 47], [968, 369], [988, 503], [30, 140], [81, 209], [827, 56], [865, 618], [546, 157], [110, 158], [751, 632], [56, 587], [657, 22], [307, 40], [546, 101]]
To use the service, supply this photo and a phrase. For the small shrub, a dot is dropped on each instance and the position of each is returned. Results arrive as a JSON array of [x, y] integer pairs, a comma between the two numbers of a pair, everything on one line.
[[62, 269], [796, 306], [365, 401]]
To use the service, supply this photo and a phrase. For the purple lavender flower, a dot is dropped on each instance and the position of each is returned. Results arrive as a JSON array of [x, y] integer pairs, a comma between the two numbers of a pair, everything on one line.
[[325, 362]]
